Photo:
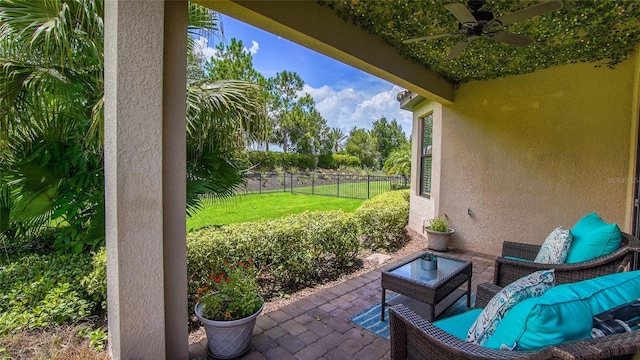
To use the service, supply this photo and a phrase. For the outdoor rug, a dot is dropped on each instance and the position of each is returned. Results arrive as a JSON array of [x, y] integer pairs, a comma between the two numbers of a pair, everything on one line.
[[370, 318]]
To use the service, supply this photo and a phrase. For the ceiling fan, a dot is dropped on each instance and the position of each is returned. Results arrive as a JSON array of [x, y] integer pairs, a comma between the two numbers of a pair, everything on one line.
[[475, 23]]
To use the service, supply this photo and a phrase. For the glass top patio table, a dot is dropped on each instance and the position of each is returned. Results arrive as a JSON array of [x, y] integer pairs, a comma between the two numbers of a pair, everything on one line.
[[417, 270], [437, 288]]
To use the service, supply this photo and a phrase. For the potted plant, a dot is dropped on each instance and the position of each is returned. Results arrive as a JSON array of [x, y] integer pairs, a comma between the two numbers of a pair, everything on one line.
[[438, 233], [228, 308], [429, 262]]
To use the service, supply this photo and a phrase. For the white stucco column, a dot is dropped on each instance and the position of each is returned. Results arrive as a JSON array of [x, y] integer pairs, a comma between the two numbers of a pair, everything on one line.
[[145, 178]]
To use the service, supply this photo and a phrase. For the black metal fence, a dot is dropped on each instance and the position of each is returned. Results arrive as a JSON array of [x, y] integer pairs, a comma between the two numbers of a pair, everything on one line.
[[330, 184]]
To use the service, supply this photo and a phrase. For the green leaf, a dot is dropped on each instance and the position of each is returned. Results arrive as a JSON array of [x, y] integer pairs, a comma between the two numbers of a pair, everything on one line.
[[77, 248], [45, 159]]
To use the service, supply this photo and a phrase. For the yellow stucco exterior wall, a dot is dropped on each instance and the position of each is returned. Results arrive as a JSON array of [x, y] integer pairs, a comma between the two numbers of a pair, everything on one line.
[[528, 153]]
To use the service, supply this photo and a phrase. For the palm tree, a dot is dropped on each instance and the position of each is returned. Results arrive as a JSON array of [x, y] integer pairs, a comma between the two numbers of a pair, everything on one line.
[[51, 107], [336, 137], [399, 161], [223, 118]]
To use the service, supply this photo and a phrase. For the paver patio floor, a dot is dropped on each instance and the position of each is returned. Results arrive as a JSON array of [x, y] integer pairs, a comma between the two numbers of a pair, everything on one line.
[[318, 326]]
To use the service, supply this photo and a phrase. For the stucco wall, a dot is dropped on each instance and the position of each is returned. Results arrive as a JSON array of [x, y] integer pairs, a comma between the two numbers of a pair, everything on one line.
[[529, 153]]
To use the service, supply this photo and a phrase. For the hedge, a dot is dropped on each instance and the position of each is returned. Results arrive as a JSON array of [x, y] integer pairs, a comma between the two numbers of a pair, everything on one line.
[[325, 161], [267, 160], [294, 251], [340, 160], [297, 250], [383, 219], [291, 252]]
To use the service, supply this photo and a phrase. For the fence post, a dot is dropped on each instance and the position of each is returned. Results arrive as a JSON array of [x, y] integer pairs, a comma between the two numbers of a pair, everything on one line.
[[260, 183], [291, 182], [313, 181], [368, 186], [338, 186], [284, 181]]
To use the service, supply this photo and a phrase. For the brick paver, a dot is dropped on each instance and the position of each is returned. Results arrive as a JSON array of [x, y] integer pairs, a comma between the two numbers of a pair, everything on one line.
[[318, 327]]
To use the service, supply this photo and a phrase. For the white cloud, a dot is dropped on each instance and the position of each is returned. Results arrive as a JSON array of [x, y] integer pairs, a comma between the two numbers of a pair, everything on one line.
[[255, 46], [202, 44], [346, 108]]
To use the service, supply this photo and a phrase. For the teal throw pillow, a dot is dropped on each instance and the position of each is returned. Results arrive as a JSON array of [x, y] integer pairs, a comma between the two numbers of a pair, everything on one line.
[[592, 238], [526, 287], [555, 248], [564, 313]]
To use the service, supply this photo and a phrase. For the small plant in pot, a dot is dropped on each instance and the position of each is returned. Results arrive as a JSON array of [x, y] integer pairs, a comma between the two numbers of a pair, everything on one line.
[[438, 233], [228, 308]]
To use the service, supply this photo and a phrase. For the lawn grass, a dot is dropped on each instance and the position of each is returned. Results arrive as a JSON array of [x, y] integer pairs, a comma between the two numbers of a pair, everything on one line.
[[256, 207]]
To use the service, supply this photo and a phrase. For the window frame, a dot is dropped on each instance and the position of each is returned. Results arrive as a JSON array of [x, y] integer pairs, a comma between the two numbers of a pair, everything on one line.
[[426, 155]]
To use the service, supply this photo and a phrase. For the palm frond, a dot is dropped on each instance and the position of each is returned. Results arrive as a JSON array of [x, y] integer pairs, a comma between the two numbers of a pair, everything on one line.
[[96, 230], [211, 175], [56, 29], [5, 206], [96, 130], [49, 47], [203, 22], [224, 115]]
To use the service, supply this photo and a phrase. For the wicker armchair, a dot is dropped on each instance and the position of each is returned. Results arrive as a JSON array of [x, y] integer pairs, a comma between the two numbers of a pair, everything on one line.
[[509, 270], [412, 337]]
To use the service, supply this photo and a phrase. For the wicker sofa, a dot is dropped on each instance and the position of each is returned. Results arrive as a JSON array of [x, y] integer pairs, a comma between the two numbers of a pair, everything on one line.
[[508, 270], [412, 337]]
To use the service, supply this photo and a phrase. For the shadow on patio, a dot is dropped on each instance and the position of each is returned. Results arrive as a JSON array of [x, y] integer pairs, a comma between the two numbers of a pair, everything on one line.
[[318, 326]]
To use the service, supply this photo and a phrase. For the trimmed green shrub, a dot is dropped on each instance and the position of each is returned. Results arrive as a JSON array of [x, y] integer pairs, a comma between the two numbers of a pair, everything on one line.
[[303, 246], [294, 251], [325, 161], [382, 220], [42, 290], [267, 160], [348, 161], [263, 159]]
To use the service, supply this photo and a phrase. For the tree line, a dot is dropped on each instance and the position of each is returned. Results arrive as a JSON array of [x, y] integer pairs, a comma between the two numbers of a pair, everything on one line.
[[292, 121]]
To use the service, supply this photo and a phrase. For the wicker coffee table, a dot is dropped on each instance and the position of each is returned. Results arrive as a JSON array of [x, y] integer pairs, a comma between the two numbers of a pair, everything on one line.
[[438, 289]]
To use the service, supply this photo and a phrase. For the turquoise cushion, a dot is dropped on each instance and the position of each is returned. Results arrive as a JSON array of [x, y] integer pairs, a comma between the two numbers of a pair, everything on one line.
[[458, 325], [564, 313], [593, 237], [527, 286]]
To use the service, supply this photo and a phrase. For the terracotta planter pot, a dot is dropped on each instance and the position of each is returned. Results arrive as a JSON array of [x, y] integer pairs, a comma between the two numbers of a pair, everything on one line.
[[438, 240], [228, 339]]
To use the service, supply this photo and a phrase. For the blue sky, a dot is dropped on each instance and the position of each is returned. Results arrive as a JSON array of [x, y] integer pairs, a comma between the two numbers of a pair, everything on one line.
[[345, 96]]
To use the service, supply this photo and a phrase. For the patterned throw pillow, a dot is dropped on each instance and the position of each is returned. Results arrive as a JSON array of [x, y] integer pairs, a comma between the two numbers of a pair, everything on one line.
[[555, 248], [526, 287]]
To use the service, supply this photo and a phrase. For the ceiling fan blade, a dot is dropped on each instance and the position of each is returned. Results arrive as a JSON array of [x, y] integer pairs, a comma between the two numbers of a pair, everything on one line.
[[460, 47], [535, 10], [461, 13], [430, 37], [509, 38]]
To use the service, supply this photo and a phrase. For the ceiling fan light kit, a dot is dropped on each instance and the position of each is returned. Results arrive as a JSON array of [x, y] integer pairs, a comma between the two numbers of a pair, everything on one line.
[[474, 23]]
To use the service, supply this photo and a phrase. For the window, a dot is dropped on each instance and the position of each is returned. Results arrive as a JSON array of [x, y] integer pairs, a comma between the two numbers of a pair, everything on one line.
[[425, 157]]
